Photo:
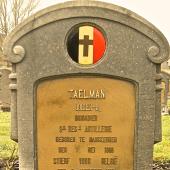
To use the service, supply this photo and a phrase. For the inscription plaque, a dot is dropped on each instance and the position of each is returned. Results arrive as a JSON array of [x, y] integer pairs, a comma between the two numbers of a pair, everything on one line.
[[85, 123]]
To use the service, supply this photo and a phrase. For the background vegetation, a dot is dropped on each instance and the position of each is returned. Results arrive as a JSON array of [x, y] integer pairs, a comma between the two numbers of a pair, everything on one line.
[[162, 149], [7, 146]]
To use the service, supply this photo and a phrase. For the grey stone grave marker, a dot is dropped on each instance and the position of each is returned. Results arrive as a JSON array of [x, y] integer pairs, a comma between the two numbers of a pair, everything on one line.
[[165, 91], [5, 97], [86, 88]]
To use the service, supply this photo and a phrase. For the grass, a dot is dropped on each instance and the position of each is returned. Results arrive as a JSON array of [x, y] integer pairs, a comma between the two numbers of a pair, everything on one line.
[[6, 144], [161, 150]]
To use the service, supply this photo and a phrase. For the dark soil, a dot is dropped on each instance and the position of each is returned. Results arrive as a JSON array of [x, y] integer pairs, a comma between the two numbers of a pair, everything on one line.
[[158, 165], [14, 163]]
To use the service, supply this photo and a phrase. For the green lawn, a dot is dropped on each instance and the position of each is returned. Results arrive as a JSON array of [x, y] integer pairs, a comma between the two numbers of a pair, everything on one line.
[[6, 144], [161, 150]]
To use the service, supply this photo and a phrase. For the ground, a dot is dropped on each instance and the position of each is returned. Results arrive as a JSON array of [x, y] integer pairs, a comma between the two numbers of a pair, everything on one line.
[[7, 146], [162, 149]]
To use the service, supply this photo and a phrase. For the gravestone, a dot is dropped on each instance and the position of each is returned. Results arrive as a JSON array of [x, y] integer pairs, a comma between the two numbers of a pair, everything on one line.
[[5, 97], [165, 91], [86, 88]]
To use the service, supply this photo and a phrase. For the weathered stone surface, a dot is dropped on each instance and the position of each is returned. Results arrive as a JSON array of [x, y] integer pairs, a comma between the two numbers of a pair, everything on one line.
[[135, 49], [165, 90], [5, 97]]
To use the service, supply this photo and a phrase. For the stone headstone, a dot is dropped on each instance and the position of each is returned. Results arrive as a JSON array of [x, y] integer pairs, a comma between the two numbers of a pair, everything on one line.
[[5, 97], [165, 91], [86, 88]]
